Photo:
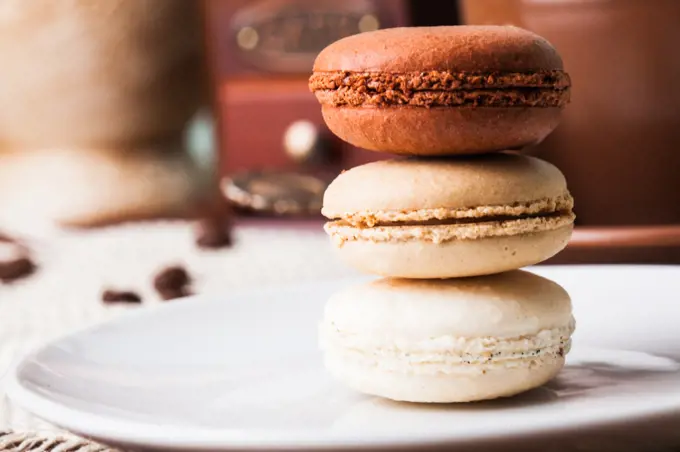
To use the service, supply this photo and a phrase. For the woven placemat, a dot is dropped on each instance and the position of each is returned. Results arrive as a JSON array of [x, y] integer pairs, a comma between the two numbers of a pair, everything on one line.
[[46, 442]]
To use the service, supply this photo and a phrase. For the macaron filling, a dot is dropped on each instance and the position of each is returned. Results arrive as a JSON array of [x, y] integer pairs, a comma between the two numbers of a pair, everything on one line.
[[484, 228], [442, 89], [441, 225], [564, 203], [437, 80]]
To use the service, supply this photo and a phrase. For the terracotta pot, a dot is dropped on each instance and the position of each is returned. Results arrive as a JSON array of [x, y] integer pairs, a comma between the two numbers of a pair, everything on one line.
[[97, 73]]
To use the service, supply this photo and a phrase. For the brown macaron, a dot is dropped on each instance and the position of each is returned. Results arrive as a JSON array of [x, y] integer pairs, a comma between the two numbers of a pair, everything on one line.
[[441, 90]]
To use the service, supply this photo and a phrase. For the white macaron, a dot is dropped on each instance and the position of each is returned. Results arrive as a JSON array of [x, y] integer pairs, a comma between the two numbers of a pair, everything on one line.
[[445, 341]]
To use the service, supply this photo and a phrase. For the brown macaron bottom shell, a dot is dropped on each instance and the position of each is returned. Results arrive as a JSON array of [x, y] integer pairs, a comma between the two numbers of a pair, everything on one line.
[[443, 388], [441, 130], [421, 259]]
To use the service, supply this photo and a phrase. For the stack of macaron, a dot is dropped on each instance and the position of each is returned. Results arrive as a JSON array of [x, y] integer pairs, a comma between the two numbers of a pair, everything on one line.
[[451, 218]]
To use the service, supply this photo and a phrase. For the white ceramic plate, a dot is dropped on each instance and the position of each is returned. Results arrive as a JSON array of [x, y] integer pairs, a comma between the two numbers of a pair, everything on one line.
[[243, 371]]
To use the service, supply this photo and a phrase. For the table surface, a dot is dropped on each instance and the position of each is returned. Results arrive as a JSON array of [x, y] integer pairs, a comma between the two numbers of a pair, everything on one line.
[[74, 267]]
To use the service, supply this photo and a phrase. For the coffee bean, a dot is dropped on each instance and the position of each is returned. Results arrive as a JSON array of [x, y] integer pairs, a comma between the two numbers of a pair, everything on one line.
[[172, 282], [111, 296]]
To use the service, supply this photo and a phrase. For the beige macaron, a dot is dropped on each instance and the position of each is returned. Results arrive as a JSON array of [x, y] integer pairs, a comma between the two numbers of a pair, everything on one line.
[[455, 340], [447, 218]]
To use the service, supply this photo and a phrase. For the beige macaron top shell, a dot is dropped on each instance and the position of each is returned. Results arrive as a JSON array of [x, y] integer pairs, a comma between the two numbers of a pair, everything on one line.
[[504, 305], [461, 48], [415, 184]]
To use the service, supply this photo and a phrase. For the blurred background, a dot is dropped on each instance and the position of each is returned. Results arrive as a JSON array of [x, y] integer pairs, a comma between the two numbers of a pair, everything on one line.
[[129, 110]]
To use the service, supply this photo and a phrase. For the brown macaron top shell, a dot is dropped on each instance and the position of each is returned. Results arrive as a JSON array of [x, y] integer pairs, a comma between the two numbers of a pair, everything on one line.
[[461, 48], [489, 66]]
